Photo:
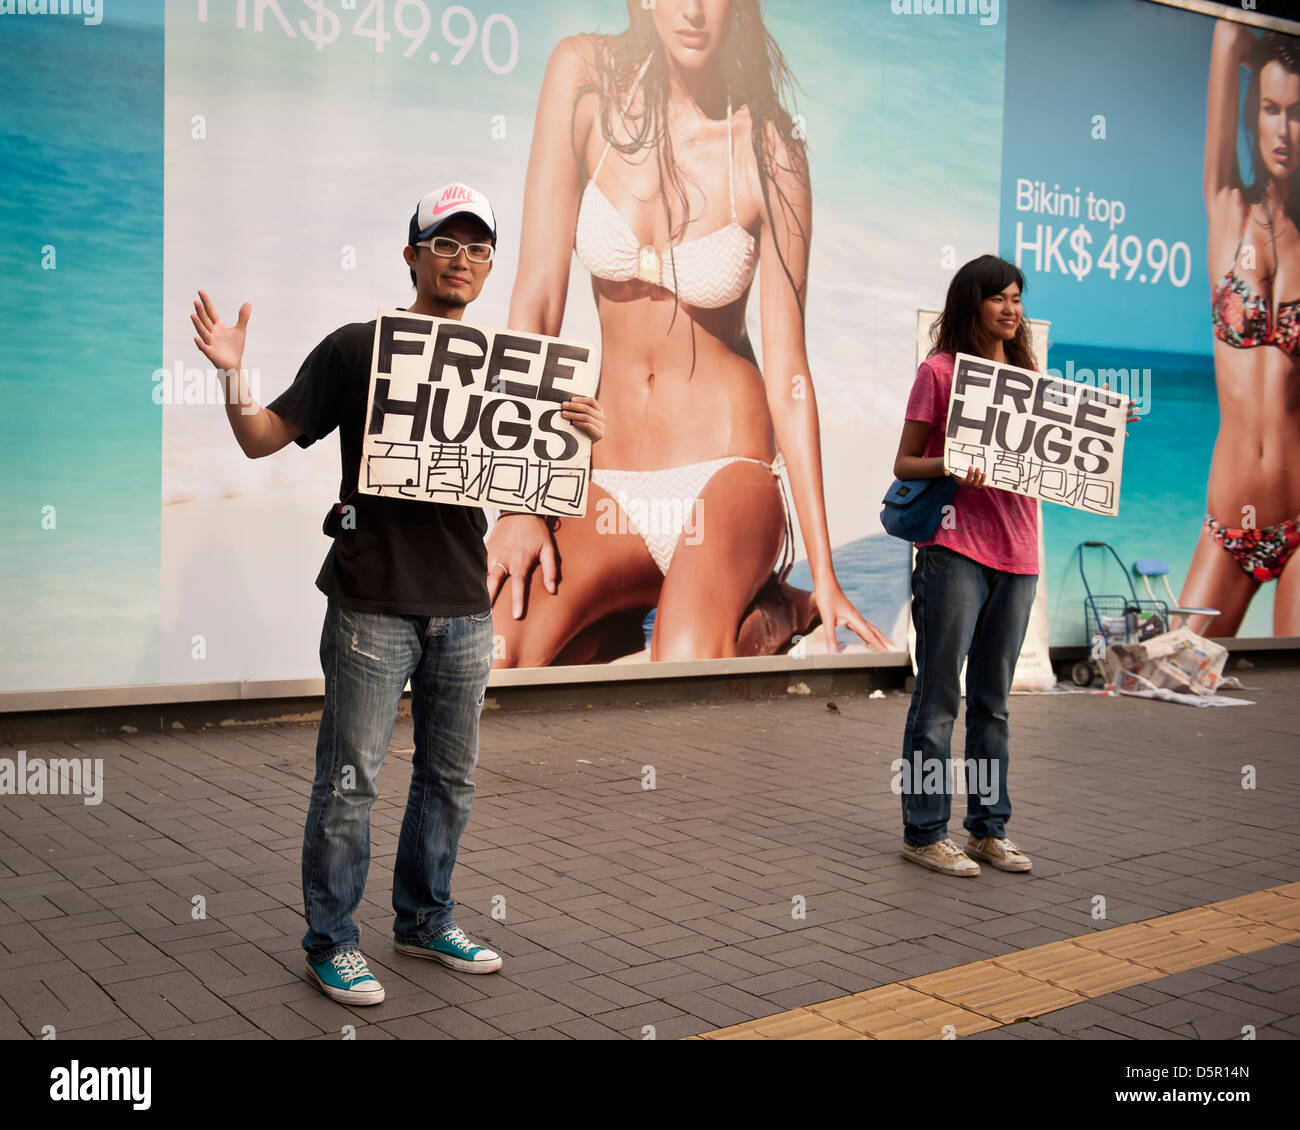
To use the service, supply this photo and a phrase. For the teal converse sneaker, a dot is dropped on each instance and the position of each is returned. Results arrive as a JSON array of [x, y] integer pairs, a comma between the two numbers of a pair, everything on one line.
[[452, 948], [346, 979]]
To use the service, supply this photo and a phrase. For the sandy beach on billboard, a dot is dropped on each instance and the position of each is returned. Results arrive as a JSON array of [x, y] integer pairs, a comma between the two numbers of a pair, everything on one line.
[[240, 572], [814, 644]]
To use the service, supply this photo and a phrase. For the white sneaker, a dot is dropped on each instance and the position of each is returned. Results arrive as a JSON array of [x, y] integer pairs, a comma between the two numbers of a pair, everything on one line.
[[1000, 853], [944, 856]]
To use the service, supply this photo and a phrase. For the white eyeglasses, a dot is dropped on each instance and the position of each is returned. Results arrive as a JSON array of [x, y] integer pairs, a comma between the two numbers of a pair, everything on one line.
[[449, 248]]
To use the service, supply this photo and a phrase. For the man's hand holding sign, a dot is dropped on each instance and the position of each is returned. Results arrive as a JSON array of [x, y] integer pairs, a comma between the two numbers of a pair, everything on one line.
[[1032, 434]]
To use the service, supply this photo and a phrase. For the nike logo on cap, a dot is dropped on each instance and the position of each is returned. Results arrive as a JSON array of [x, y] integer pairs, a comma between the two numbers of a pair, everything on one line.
[[452, 198]]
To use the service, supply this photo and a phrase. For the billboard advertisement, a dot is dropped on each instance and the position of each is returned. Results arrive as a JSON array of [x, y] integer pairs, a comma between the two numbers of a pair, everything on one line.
[[740, 207]]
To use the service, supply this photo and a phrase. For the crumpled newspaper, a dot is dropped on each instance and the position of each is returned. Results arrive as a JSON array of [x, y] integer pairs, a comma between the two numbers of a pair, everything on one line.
[[1179, 665]]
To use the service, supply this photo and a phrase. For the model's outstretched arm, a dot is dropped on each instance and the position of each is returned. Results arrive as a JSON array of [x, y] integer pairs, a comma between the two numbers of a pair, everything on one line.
[[552, 194], [1228, 52], [1213, 578], [790, 395]]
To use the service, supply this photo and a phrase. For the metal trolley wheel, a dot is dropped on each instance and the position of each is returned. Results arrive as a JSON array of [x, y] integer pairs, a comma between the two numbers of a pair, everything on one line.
[[1081, 673]]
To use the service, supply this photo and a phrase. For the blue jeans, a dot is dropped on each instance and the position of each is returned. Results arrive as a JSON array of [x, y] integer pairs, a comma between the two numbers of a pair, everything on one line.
[[962, 611], [367, 658]]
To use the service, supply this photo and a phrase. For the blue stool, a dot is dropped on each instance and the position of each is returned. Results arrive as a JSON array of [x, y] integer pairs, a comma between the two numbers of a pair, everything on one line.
[[1148, 567]]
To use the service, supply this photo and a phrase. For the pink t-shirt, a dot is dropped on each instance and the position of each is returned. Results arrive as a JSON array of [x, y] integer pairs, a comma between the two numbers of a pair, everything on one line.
[[994, 527]]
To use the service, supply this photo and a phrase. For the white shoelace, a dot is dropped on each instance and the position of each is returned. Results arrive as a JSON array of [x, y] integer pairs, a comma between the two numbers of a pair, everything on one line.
[[351, 966], [457, 938]]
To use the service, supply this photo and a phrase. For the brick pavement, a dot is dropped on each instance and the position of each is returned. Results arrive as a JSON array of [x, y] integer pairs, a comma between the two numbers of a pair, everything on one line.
[[628, 909]]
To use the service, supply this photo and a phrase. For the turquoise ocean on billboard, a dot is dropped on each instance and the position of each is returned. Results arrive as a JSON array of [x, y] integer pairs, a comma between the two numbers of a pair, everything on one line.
[[81, 508]]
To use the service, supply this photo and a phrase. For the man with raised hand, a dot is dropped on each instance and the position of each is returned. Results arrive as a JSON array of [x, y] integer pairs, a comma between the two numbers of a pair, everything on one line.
[[407, 599]]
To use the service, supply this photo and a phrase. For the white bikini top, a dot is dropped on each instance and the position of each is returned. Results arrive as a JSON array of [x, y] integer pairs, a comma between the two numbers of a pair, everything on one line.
[[710, 271]]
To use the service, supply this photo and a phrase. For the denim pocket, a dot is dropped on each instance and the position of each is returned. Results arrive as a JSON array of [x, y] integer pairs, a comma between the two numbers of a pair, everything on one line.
[[483, 619]]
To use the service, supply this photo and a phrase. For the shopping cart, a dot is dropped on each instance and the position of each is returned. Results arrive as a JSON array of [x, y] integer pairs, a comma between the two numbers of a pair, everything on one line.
[[1111, 619]]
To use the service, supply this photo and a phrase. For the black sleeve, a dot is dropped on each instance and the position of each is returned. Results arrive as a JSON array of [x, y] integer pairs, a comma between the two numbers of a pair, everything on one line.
[[315, 400]]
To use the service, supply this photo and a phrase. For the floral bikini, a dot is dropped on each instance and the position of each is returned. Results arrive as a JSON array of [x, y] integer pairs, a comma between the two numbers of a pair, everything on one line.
[[1241, 320], [1261, 553], [1241, 316]]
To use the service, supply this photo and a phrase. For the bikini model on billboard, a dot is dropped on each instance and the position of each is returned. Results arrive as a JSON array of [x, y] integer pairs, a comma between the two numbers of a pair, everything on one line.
[[695, 174], [1252, 524]]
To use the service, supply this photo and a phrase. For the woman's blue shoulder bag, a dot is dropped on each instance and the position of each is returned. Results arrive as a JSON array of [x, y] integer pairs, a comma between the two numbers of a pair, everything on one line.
[[914, 507]]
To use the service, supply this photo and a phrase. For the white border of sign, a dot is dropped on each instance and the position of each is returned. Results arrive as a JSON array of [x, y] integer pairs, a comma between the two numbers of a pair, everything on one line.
[[478, 469], [1047, 468]]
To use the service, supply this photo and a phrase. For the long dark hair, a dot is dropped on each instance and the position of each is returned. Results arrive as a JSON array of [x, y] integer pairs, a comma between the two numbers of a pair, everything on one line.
[[1285, 51], [960, 329], [757, 76]]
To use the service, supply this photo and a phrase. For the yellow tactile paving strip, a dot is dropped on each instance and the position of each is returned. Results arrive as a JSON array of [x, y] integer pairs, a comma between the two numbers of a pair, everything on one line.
[[1022, 985]]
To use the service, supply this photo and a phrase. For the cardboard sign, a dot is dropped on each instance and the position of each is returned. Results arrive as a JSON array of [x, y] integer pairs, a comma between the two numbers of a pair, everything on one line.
[[1036, 435], [471, 416]]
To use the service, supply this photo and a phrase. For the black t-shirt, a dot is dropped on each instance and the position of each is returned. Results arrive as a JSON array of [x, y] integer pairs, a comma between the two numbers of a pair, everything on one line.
[[402, 556]]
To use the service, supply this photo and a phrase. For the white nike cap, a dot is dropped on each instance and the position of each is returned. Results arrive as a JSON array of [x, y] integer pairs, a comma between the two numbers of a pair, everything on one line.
[[444, 204]]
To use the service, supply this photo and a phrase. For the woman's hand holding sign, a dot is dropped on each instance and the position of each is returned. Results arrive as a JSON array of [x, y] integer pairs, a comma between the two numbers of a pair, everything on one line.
[[974, 476], [1132, 417]]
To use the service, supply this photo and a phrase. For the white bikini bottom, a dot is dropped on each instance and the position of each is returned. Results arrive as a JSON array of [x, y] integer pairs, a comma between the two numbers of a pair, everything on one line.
[[658, 505]]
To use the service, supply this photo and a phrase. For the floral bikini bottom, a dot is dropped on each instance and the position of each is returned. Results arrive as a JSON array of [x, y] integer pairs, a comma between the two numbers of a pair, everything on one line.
[[1261, 553]]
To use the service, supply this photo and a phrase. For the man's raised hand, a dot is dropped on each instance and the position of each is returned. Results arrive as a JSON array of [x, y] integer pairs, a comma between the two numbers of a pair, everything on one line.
[[223, 345]]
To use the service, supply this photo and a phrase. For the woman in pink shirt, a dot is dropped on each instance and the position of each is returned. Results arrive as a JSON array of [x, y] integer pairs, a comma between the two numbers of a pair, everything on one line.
[[972, 589]]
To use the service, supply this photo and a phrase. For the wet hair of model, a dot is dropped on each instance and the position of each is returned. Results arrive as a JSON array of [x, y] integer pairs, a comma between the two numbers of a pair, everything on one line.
[[757, 77], [1285, 51]]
